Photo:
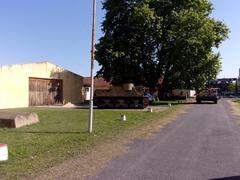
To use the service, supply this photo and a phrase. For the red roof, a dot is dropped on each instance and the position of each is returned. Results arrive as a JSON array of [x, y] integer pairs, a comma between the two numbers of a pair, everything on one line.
[[98, 82]]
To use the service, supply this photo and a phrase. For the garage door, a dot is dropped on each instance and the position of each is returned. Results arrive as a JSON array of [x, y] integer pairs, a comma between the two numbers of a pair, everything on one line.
[[45, 91]]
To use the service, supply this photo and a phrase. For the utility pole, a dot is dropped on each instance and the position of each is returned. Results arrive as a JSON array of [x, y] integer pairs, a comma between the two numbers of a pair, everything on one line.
[[90, 121], [237, 86]]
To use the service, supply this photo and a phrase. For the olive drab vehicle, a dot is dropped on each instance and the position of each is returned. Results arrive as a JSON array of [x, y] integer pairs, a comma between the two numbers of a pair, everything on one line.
[[118, 97], [210, 94]]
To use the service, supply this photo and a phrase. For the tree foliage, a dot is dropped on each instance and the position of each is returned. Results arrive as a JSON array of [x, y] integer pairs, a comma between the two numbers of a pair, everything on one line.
[[145, 40]]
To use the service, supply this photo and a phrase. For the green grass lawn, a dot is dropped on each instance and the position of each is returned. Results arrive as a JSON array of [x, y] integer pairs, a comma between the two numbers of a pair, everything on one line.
[[61, 135], [172, 102], [237, 101]]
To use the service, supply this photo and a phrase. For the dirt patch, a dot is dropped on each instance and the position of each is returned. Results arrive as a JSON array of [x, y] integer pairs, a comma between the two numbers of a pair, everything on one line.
[[91, 162], [235, 109]]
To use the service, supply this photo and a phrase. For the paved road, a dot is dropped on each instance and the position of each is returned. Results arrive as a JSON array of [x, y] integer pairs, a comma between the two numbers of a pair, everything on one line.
[[203, 143]]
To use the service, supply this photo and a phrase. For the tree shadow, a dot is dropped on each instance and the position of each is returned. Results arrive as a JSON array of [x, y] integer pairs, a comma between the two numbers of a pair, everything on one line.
[[205, 102], [189, 103], [228, 178], [172, 103], [49, 132]]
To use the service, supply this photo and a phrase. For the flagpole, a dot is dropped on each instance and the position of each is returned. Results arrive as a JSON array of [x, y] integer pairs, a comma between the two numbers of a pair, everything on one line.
[[90, 121]]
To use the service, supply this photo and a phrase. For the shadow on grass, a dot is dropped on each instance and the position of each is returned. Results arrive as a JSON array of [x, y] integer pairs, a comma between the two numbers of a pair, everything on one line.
[[48, 132], [205, 103], [172, 103], [228, 178], [237, 101]]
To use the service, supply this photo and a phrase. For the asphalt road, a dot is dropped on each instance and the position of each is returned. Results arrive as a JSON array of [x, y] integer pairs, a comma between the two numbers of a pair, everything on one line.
[[204, 143]]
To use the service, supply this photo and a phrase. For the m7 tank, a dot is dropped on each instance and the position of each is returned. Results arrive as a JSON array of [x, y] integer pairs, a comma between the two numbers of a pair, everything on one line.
[[121, 97]]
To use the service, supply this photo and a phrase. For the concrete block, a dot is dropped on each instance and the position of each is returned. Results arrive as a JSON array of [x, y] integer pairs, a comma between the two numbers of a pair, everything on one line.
[[17, 119]]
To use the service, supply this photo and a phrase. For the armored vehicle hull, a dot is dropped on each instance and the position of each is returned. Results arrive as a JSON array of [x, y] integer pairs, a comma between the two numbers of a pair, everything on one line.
[[121, 102], [208, 95], [121, 97]]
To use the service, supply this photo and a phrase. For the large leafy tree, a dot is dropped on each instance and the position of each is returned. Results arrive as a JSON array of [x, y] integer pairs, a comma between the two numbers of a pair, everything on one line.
[[189, 35], [127, 52], [145, 40]]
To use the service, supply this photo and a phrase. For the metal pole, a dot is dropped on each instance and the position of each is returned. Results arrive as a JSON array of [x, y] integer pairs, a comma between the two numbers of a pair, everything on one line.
[[90, 121], [236, 86]]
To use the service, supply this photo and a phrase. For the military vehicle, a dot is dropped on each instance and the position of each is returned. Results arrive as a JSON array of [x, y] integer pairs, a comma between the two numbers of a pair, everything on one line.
[[121, 97], [211, 94]]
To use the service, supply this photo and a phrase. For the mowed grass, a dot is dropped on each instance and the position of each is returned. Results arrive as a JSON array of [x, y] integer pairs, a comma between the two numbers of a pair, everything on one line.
[[62, 134], [167, 102], [237, 101]]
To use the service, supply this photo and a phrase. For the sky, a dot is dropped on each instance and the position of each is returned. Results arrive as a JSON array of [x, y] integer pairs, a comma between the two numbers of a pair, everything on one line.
[[59, 31]]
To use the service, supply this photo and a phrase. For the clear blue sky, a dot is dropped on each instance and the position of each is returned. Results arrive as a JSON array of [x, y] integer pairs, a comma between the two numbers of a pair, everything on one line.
[[59, 31]]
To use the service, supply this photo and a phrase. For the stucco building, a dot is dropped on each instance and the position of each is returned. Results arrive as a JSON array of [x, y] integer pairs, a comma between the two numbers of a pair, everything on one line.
[[36, 84]]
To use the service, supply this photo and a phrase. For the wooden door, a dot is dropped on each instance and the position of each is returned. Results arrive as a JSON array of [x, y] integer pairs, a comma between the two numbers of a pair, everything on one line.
[[45, 91]]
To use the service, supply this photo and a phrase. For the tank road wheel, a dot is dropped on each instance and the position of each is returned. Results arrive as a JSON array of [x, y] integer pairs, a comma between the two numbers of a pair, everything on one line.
[[107, 103], [198, 101], [134, 103], [145, 102], [140, 106], [99, 103], [121, 103]]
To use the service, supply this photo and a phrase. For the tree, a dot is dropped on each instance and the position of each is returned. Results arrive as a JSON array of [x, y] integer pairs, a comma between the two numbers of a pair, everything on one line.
[[127, 52], [188, 39], [145, 40]]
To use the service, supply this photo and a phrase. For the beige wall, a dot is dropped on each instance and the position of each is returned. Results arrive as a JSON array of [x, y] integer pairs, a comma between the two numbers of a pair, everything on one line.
[[184, 92], [14, 83]]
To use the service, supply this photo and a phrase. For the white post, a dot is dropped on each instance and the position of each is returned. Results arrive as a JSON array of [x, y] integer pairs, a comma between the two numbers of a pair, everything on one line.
[[3, 152], [150, 109], [123, 117], [90, 121]]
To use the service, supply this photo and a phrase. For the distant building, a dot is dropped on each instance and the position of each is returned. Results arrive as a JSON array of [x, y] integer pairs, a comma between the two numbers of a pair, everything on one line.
[[37, 84], [239, 74], [223, 84]]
